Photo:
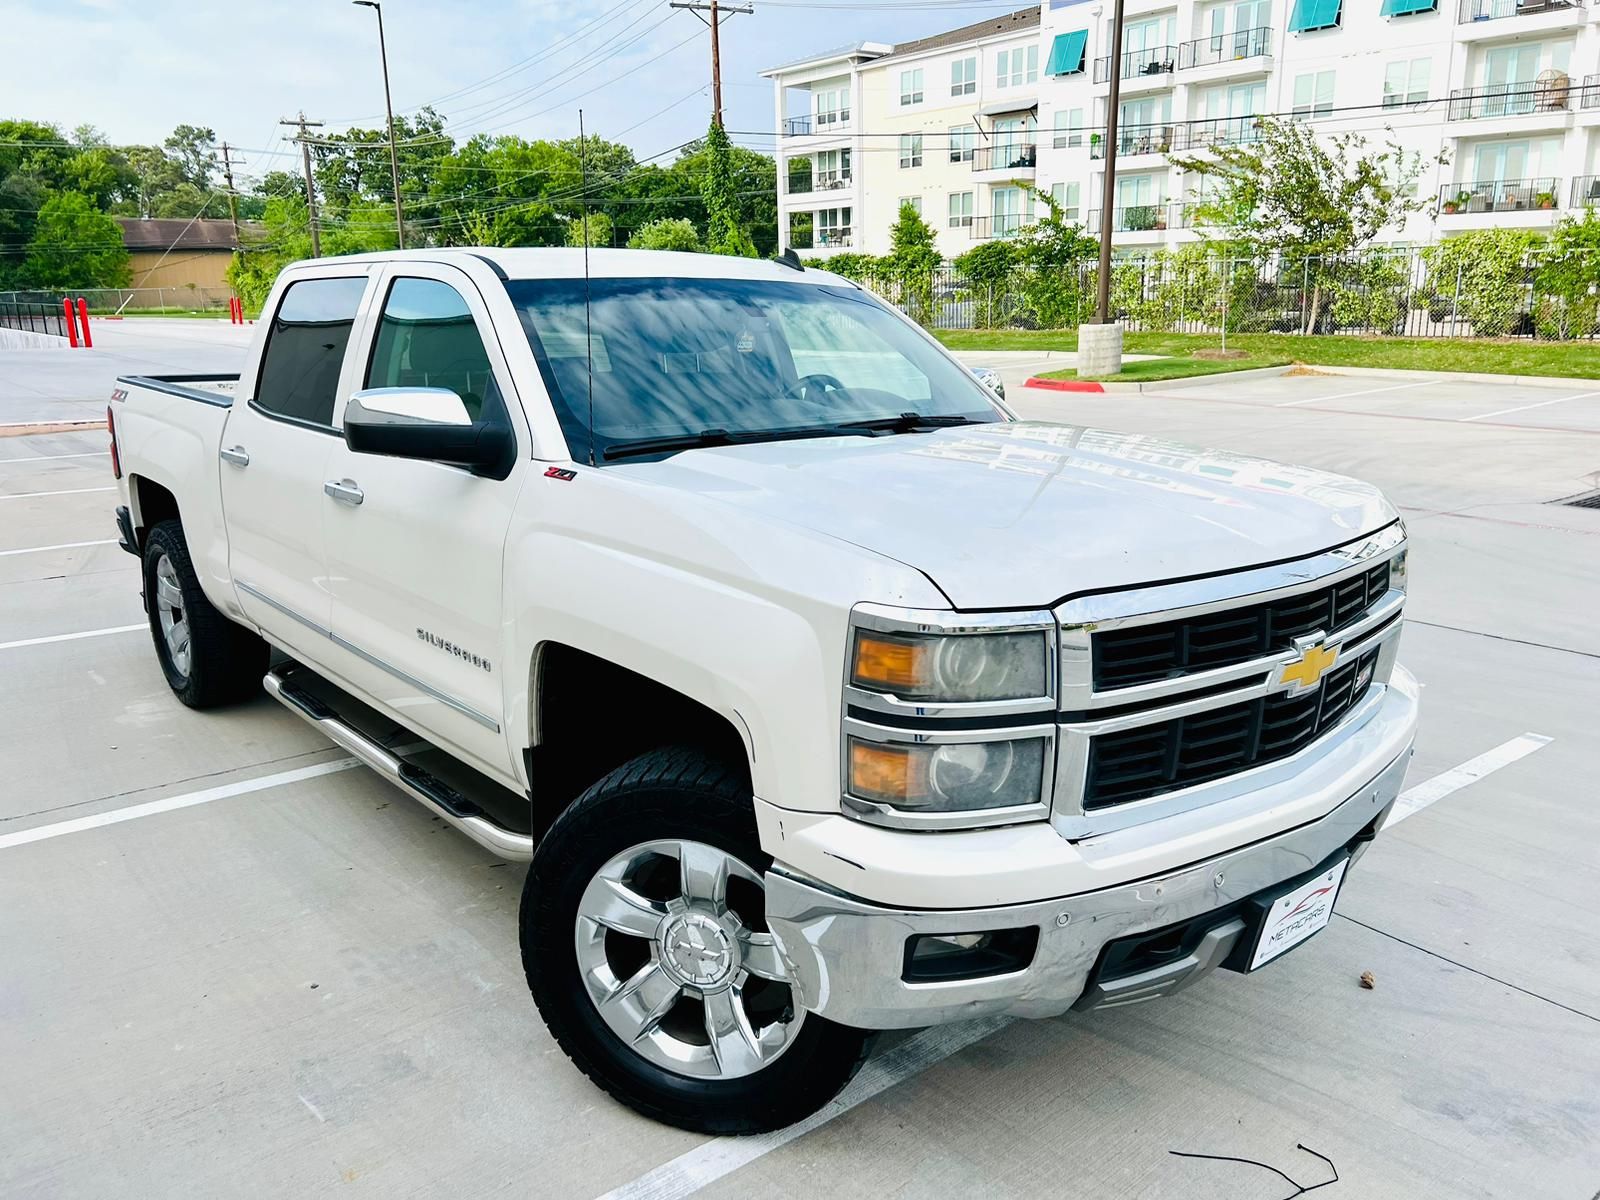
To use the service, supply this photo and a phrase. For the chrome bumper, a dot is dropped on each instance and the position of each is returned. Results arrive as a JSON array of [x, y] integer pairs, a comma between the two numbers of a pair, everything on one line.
[[846, 955]]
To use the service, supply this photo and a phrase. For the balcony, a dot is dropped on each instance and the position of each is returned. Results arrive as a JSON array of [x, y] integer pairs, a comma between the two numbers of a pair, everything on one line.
[[1589, 93], [1245, 50], [821, 181], [1006, 156], [1218, 131], [1152, 66], [1478, 16], [1134, 140], [1151, 218], [1554, 98], [1586, 191], [821, 239], [1000, 225], [823, 122], [1475, 197]]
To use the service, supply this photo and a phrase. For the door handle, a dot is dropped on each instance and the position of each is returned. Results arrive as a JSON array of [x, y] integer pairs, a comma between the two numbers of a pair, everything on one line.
[[235, 455], [344, 491]]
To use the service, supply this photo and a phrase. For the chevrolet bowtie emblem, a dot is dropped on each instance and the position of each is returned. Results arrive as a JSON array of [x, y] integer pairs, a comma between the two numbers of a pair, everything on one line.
[[1307, 671]]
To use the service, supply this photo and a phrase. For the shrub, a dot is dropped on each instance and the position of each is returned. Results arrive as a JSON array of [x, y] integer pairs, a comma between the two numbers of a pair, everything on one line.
[[668, 233]]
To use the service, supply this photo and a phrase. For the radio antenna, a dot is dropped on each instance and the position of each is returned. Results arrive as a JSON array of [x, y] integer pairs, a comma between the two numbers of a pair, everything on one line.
[[588, 325]]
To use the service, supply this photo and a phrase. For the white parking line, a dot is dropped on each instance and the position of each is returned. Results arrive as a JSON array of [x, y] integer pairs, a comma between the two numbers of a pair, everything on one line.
[[62, 546], [242, 787], [1537, 404], [51, 457], [711, 1161], [71, 637], [66, 492], [1397, 387], [1414, 799]]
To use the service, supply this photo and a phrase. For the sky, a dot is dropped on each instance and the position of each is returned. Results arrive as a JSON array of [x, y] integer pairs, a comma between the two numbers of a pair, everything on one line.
[[639, 69]]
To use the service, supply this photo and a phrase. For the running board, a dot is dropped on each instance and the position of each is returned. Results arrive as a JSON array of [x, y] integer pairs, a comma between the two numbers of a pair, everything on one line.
[[437, 796]]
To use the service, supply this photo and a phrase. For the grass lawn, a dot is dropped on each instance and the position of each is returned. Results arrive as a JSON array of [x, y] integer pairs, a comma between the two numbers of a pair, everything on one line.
[[1509, 357], [1176, 368]]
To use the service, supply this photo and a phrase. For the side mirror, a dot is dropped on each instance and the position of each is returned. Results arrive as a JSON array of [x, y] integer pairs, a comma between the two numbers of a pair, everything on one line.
[[990, 378], [428, 423]]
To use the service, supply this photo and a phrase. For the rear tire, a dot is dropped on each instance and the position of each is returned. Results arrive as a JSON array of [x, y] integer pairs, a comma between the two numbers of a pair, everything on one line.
[[207, 659], [646, 948]]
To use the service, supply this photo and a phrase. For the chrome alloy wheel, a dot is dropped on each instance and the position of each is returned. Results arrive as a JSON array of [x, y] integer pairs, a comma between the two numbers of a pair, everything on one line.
[[675, 955], [173, 618]]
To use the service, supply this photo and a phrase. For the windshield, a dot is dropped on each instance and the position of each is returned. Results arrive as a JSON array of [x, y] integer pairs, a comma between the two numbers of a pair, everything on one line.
[[712, 361]]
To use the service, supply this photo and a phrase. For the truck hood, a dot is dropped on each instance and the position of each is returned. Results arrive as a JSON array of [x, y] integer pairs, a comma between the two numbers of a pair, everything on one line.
[[1024, 514]]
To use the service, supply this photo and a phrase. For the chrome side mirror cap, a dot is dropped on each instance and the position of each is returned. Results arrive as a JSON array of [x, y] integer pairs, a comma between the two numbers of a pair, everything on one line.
[[990, 378], [430, 424], [406, 406]]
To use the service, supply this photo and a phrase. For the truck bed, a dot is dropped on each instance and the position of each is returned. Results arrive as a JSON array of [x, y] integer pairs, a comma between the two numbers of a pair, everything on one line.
[[207, 389]]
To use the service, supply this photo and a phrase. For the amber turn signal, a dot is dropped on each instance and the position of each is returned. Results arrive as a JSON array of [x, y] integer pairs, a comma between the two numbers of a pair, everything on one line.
[[888, 663], [892, 774]]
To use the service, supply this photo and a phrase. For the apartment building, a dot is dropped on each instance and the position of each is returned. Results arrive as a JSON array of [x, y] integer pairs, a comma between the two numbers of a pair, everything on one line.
[[1509, 90]]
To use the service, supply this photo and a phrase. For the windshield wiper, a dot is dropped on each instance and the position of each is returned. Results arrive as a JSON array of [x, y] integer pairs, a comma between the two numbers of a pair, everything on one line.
[[910, 422], [720, 437]]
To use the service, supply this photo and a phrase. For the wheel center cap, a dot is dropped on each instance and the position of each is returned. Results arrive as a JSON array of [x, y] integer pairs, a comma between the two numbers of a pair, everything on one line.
[[697, 949]]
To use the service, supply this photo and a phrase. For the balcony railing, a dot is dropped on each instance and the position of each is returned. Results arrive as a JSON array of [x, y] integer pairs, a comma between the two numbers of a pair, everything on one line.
[[1586, 191], [1513, 99], [823, 122], [1493, 10], [1497, 195], [1226, 47], [999, 225], [1138, 218], [822, 181], [1590, 97], [821, 239], [1136, 139], [1006, 156], [1154, 60]]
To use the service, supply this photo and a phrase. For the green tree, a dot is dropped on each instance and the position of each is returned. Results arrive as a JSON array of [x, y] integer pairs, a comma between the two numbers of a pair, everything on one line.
[[1567, 279], [599, 230], [74, 245], [1052, 252], [668, 233], [1307, 196], [1480, 278], [724, 234]]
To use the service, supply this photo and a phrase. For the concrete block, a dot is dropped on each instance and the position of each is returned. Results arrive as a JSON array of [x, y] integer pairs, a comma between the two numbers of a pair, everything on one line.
[[1099, 349]]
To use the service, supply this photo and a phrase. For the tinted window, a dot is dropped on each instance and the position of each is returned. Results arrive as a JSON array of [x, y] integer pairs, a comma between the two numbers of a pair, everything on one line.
[[427, 338], [680, 356], [305, 349]]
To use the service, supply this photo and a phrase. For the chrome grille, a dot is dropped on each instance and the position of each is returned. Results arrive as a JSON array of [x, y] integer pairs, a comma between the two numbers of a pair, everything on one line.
[[1134, 764], [1169, 650]]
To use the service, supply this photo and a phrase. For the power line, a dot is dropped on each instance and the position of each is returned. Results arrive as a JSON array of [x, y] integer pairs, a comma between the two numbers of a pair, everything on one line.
[[713, 22], [311, 188]]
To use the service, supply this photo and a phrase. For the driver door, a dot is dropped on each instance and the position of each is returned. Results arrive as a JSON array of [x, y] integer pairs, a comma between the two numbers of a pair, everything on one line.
[[415, 548]]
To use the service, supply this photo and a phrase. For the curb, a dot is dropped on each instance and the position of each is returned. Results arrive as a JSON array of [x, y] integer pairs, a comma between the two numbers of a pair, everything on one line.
[[1548, 381], [1154, 385]]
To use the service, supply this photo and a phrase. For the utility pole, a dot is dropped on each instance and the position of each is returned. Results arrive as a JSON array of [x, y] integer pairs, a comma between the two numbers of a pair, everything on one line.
[[233, 199], [311, 190], [388, 107], [1100, 344], [713, 22]]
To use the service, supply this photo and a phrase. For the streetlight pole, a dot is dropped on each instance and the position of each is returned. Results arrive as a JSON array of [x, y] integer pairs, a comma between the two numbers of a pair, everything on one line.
[[388, 106], [1100, 344]]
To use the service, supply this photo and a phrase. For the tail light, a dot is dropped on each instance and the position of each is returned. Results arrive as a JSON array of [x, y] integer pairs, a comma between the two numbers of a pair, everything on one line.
[[111, 427]]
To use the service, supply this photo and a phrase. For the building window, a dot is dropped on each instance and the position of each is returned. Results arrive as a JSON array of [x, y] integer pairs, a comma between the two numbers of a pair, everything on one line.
[[1407, 8], [1068, 128], [833, 168], [833, 226], [914, 201], [1066, 53], [1066, 197], [1012, 209], [910, 149], [1309, 15], [833, 107], [963, 141], [910, 87], [1313, 95], [1406, 82], [1013, 68], [964, 77], [960, 210]]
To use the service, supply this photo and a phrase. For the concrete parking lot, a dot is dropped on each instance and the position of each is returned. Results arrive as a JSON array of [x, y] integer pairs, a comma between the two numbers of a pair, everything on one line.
[[233, 962]]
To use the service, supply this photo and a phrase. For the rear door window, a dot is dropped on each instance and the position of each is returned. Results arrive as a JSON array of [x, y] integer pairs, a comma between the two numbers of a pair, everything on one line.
[[427, 338], [305, 350]]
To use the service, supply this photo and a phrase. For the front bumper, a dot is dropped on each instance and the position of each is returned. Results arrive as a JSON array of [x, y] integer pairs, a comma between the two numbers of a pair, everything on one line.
[[846, 955]]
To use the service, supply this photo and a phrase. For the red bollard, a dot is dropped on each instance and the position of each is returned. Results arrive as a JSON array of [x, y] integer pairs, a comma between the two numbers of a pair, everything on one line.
[[238, 309], [83, 314], [72, 322]]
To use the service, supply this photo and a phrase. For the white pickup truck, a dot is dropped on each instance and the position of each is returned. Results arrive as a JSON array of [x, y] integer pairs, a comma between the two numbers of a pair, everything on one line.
[[823, 695]]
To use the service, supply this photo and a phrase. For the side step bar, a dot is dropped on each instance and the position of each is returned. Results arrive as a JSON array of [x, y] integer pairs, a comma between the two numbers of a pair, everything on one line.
[[434, 795]]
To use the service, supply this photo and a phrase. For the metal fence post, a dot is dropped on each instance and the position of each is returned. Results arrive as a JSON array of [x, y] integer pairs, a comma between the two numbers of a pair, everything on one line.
[[1455, 301], [1227, 286]]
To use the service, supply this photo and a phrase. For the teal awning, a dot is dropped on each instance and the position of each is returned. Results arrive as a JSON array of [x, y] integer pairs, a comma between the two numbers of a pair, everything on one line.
[[1066, 53], [1404, 8], [1314, 14]]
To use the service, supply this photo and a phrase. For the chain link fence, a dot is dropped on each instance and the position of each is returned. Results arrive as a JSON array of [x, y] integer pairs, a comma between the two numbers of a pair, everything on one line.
[[1431, 292], [120, 301]]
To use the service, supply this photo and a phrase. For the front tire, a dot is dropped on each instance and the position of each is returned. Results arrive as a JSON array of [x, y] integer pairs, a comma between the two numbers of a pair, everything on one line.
[[207, 659], [646, 948]]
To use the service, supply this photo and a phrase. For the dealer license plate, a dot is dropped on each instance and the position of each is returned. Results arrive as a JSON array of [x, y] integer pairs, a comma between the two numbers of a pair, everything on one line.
[[1297, 915]]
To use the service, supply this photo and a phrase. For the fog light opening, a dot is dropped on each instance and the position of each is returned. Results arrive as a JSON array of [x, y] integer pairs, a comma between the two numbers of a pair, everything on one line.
[[945, 957]]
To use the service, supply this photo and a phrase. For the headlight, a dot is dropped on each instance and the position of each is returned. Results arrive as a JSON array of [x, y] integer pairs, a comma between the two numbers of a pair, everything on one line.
[[948, 777], [952, 668]]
